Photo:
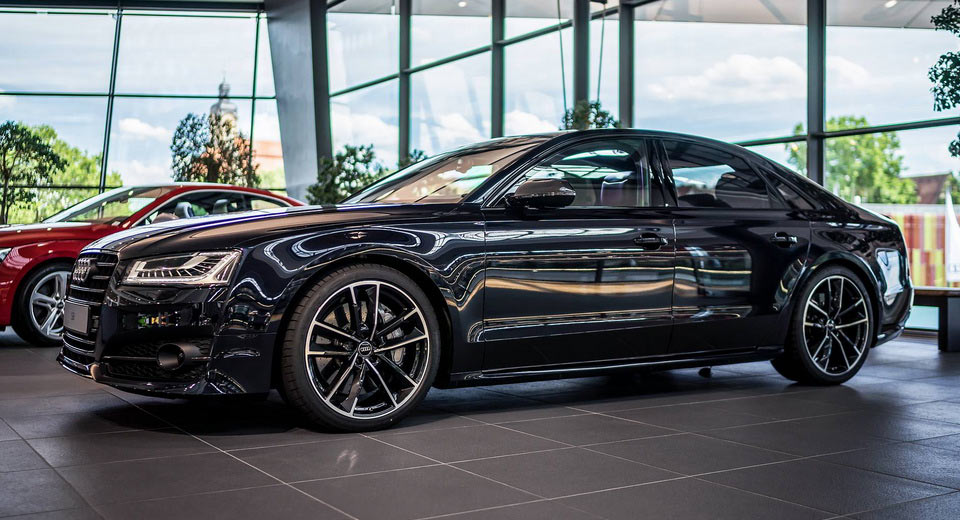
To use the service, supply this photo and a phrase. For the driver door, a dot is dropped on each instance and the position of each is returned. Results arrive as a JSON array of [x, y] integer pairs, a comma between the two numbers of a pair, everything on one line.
[[590, 282]]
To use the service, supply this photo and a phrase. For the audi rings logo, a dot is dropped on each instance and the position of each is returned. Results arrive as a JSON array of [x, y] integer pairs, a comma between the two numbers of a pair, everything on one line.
[[82, 270]]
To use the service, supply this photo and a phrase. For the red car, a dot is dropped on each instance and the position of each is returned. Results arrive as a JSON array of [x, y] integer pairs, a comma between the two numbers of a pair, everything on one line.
[[36, 259]]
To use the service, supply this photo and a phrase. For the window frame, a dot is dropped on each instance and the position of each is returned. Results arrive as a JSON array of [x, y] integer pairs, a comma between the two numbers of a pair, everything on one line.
[[776, 201], [515, 178]]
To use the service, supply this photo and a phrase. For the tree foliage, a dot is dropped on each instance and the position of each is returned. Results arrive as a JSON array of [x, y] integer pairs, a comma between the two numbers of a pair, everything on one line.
[[867, 166], [211, 149], [350, 169], [945, 73], [587, 114], [25, 158], [413, 157]]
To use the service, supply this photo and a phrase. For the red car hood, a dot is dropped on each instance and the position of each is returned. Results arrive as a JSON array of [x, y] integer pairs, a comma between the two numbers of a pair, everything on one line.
[[18, 235]]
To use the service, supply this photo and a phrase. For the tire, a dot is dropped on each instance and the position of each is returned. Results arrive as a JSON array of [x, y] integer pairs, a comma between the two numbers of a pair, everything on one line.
[[355, 353], [39, 298], [831, 330]]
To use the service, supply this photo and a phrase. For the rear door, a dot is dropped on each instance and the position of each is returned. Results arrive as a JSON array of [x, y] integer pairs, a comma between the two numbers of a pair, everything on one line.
[[590, 282], [739, 245]]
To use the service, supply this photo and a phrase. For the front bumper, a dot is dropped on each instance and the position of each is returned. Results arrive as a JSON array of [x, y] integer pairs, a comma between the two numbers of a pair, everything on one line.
[[238, 364]]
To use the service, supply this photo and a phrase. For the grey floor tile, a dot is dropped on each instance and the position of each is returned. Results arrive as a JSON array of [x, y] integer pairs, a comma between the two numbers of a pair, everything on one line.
[[691, 454], [923, 463], [6, 432], [45, 385], [888, 426], [943, 506], [162, 478], [948, 442], [278, 501], [690, 417], [827, 487], [412, 493], [508, 408], [113, 447], [468, 443], [114, 419], [329, 459], [799, 437], [589, 429], [565, 472], [784, 406], [542, 510], [944, 411], [77, 513], [34, 406], [18, 456], [33, 491], [690, 499]]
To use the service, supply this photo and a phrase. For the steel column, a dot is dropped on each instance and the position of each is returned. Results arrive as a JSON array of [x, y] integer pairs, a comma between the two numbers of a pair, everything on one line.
[[498, 16], [111, 89], [626, 68], [581, 51], [816, 91], [403, 141]]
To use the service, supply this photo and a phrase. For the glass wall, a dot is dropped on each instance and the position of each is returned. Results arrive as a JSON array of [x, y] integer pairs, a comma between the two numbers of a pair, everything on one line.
[[168, 64]]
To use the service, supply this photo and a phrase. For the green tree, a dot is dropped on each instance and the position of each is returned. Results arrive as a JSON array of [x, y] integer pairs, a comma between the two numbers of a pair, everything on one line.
[[25, 158], [212, 149], [586, 114], [866, 166], [350, 169], [413, 157], [945, 73]]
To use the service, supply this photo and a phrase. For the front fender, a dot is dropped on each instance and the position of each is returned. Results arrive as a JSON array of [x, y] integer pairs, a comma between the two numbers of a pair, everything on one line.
[[24, 259], [273, 275]]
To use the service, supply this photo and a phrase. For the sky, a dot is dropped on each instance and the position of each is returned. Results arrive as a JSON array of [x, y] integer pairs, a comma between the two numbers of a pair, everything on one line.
[[728, 81]]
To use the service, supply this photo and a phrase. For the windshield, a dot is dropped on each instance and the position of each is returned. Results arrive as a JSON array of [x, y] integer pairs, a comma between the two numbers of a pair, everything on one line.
[[448, 177], [111, 207]]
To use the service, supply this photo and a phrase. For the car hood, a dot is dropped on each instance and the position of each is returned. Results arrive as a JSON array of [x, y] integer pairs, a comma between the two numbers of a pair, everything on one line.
[[23, 234], [245, 229]]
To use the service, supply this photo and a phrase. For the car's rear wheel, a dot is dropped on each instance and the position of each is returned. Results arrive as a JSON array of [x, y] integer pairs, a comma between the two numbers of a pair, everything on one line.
[[361, 349], [831, 330], [38, 311]]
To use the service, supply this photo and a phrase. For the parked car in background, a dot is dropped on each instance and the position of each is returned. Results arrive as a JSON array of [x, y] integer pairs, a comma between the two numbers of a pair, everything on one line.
[[538, 256], [36, 259]]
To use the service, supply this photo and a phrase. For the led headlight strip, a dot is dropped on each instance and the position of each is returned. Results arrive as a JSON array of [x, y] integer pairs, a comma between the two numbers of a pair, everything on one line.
[[210, 268]]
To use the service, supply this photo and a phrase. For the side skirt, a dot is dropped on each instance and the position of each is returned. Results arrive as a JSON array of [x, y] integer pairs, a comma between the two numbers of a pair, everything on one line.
[[700, 359]]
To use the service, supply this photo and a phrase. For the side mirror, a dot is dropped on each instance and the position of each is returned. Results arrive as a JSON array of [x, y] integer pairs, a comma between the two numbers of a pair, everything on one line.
[[542, 193]]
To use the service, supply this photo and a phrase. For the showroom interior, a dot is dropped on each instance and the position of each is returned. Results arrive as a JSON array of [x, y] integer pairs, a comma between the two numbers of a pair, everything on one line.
[[837, 90]]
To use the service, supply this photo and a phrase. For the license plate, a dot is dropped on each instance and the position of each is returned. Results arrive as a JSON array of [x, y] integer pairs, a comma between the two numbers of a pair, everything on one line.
[[76, 317]]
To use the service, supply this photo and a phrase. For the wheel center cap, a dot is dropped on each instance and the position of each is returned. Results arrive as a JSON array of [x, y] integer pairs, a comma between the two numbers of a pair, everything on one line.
[[365, 348]]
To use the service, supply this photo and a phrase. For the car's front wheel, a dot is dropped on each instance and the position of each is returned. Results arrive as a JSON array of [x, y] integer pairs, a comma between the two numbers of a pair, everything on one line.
[[361, 349], [831, 331], [38, 313]]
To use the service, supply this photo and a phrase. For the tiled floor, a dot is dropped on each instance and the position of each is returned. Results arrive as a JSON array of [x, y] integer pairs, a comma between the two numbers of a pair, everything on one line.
[[742, 444]]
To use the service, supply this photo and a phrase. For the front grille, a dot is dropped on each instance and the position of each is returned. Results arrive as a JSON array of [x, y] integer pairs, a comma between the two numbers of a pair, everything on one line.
[[90, 290], [139, 361]]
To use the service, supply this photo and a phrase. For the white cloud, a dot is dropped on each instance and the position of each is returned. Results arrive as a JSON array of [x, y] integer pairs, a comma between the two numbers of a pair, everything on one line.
[[137, 172], [361, 129], [738, 78], [266, 127], [133, 127], [846, 73], [518, 122]]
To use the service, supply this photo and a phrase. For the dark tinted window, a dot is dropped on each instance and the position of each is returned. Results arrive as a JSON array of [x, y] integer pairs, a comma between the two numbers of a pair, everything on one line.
[[708, 177], [788, 193], [607, 173]]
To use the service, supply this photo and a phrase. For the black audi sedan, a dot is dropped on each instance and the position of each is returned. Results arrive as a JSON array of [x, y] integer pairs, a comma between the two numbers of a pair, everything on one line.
[[550, 255]]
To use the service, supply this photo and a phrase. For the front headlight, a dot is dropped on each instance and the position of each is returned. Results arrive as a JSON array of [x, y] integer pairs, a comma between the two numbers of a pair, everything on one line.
[[213, 268], [4, 251]]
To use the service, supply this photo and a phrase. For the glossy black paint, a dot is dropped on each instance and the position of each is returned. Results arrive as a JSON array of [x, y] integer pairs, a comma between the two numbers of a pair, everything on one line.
[[521, 292]]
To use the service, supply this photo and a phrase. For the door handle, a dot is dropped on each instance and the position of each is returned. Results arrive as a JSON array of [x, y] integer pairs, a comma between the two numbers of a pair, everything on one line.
[[783, 239], [650, 241]]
